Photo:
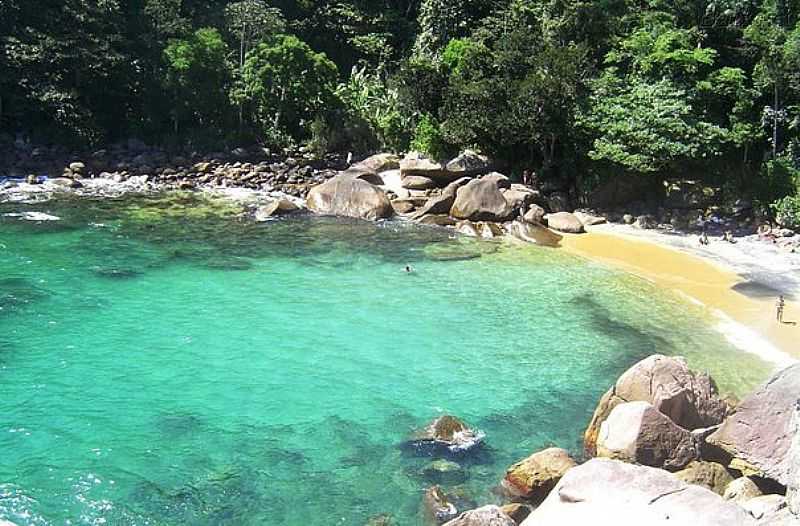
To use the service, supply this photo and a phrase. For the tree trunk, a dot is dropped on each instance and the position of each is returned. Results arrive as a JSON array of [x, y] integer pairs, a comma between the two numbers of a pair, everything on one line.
[[775, 122]]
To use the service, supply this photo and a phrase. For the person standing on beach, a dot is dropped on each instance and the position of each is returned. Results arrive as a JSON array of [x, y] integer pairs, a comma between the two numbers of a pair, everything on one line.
[[779, 306]]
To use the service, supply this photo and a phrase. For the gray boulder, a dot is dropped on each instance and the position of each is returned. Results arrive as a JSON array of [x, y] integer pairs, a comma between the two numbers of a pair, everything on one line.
[[499, 179], [689, 399], [519, 197], [761, 433], [469, 163], [793, 488], [446, 435], [351, 197], [534, 233], [417, 182], [589, 219], [604, 491], [765, 506], [378, 163], [277, 207], [485, 516], [480, 200], [564, 222], [437, 507], [534, 215], [637, 432], [415, 163], [441, 204]]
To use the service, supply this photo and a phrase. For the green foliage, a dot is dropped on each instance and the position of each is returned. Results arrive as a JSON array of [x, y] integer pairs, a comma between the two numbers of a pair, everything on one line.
[[787, 211], [286, 84], [370, 100], [455, 52], [428, 138], [647, 126], [198, 75]]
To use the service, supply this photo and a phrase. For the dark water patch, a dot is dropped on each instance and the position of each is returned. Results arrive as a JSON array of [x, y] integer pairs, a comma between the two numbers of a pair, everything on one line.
[[228, 263], [635, 344], [17, 293], [177, 425], [116, 272]]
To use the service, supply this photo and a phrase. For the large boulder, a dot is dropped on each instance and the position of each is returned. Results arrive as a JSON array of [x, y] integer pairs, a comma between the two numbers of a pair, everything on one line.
[[690, 400], [520, 197], [418, 182], [469, 163], [707, 474], [416, 163], [446, 435], [637, 432], [480, 200], [769, 507], [564, 222], [534, 477], [378, 163], [607, 492], [534, 215], [793, 488], [351, 197], [441, 204], [589, 219], [485, 516], [277, 207], [760, 434], [500, 180]]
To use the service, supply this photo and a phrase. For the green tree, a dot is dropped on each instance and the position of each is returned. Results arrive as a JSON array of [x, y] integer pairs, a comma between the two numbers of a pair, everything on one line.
[[198, 78], [287, 84]]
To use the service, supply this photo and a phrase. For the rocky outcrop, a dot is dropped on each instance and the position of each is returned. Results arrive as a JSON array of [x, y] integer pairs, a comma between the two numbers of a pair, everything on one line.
[[418, 182], [445, 435], [469, 163], [351, 197], [480, 200], [604, 491], [768, 509], [444, 472], [517, 511], [534, 233], [690, 400], [500, 180], [481, 229], [378, 163], [441, 204], [416, 163], [485, 516], [637, 432], [741, 490], [793, 488], [533, 478], [534, 215], [707, 474], [589, 219], [519, 197], [760, 433], [564, 222]]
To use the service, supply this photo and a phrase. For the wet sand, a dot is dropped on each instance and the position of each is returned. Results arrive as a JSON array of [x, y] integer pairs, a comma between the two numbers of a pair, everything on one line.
[[745, 308]]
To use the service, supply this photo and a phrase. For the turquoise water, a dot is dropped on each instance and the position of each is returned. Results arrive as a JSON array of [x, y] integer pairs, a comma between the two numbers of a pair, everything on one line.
[[163, 361]]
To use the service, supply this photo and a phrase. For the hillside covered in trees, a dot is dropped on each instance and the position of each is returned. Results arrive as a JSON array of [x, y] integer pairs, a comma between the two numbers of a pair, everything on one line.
[[573, 89]]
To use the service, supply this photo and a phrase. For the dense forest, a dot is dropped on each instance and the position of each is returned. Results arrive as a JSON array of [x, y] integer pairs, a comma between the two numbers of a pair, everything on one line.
[[574, 89]]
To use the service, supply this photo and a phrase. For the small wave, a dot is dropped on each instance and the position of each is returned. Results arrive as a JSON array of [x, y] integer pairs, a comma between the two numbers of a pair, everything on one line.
[[750, 341]]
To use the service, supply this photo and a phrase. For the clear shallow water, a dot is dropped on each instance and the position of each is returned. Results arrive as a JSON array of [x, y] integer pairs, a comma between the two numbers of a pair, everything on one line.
[[161, 364]]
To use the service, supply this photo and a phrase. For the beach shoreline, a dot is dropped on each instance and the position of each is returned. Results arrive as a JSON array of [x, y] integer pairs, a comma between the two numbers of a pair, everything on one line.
[[737, 283]]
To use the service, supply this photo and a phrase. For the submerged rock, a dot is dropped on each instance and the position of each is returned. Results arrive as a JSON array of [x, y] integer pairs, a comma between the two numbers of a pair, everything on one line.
[[534, 477], [533, 233], [604, 491], [436, 506], [761, 434], [485, 516], [276, 207], [444, 472], [116, 272], [447, 435], [689, 399]]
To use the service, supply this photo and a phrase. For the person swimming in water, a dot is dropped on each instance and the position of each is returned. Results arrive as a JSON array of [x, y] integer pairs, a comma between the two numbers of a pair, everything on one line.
[[408, 268]]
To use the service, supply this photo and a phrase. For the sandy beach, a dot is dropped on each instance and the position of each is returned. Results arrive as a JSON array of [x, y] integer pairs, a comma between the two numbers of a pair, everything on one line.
[[739, 283]]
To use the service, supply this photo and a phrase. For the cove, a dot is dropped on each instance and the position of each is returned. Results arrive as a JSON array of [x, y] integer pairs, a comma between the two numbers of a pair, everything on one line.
[[167, 361]]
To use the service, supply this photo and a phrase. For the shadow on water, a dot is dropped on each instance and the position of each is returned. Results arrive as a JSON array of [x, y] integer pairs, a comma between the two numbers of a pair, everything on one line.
[[634, 344], [16, 293]]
